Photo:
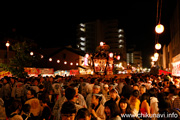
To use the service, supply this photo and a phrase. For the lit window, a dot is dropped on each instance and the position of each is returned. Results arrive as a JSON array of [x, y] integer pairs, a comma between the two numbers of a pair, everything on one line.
[[82, 48], [120, 41], [120, 30], [82, 29], [82, 25], [83, 44], [83, 38], [120, 35], [120, 46]]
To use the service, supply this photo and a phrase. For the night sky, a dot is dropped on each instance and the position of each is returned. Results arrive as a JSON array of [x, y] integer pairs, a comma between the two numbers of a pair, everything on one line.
[[54, 24]]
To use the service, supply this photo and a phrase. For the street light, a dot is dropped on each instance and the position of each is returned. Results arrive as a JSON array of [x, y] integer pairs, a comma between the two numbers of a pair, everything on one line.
[[7, 45]]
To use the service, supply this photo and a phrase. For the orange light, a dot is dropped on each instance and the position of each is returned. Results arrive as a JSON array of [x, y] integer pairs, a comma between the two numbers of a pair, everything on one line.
[[65, 62], [158, 46], [7, 44], [159, 28], [77, 64], [71, 63]]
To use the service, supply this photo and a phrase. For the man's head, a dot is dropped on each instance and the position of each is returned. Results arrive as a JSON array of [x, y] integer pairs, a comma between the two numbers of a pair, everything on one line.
[[68, 111], [70, 93], [31, 93], [83, 114], [96, 89]]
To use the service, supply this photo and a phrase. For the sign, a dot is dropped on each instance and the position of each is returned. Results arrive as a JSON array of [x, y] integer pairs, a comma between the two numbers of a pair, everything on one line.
[[176, 69], [100, 65], [74, 72]]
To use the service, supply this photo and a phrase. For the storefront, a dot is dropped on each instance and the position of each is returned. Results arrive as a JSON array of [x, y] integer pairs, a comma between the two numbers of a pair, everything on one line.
[[176, 66], [40, 71]]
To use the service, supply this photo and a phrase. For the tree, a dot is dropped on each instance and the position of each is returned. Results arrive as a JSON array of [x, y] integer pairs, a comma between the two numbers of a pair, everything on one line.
[[21, 59]]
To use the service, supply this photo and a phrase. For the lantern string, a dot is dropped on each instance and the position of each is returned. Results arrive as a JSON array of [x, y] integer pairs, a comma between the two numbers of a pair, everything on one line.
[[157, 12]]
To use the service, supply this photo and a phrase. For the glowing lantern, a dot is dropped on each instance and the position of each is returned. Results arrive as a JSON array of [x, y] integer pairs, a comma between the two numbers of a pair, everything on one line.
[[101, 43], [110, 55], [7, 44], [77, 64], [156, 55], [65, 62], [159, 28], [158, 46], [58, 61], [71, 63], [118, 57], [87, 55], [50, 59], [31, 53]]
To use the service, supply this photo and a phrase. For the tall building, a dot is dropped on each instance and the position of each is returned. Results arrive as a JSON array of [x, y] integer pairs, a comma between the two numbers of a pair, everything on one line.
[[90, 34], [134, 57]]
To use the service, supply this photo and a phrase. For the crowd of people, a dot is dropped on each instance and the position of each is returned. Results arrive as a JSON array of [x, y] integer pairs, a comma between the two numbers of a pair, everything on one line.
[[138, 96]]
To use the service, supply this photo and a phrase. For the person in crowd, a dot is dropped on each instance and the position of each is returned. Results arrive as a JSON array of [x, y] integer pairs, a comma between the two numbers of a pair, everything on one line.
[[68, 111], [135, 87], [114, 96], [89, 86], [166, 110], [82, 87], [120, 85], [56, 87], [96, 90], [105, 92], [70, 95], [7, 91], [46, 112], [112, 110], [15, 108], [172, 93], [1, 88], [127, 89], [59, 102], [145, 107], [26, 114], [18, 92], [2, 110], [35, 84], [142, 89], [176, 102], [97, 109], [135, 102], [80, 98], [83, 114], [166, 84], [176, 83], [34, 102], [153, 102]]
